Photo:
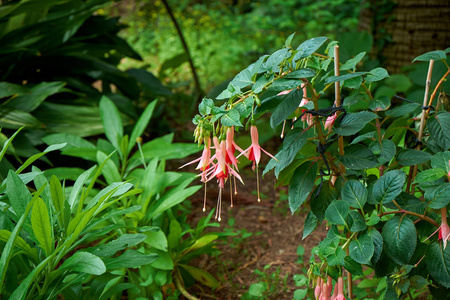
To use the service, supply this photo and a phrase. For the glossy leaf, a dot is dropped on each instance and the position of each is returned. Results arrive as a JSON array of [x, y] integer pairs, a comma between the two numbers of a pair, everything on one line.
[[432, 55], [302, 183], [354, 193], [410, 157], [381, 103], [400, 238], [286, 107], [356, 221], [130, 259], [337, 212], [361, 249], [292, 144], [310, 225], [352, 266], [354, 122], [112, 123], [352, 62], [438, 263], [84, 262], [376, 74], [122, 242], [358, 157], [429, 175], [385, 152], [389, 186], [377, 240], [438, 197]]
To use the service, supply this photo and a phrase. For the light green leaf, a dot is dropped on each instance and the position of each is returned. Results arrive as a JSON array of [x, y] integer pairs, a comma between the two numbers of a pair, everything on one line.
[[429, 175], [352, 62], [381, 103], [231, 118], [141, 124], [157, 240], [432, 55], [376, 74], [342, 78], [17, 192], [42, 228], [310, 225], [438, 197], [300, 73], [110, 170], [308, 47], [130, 259], [122, 242], [84, 262]]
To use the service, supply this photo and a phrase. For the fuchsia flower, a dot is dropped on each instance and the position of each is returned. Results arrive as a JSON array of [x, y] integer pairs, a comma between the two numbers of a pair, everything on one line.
[[340, 288], [444, 230], [330, 121], [318, 289], [253, 153]]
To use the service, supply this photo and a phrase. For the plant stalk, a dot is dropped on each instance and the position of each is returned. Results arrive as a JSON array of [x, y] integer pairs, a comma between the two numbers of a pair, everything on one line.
[[337, 102]]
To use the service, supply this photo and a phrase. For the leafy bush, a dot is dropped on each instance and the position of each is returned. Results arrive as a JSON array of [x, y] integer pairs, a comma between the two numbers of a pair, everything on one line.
[[377, 173]]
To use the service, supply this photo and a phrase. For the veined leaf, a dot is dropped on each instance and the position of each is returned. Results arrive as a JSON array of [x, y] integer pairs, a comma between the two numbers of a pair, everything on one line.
[[400, 238], [352, 123], [358, 157], [84, 262], [141, 124], [130, 259], [438, 263], [286, 107], [337, 212], [389, 186], [201, 276], [302, 184], [361, 249], [354, 193], [432, 55], [112, 123], [42, 228], [18, 193]]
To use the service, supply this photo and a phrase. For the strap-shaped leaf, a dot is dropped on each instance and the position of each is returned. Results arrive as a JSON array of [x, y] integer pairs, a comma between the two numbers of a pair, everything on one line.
[[141, 124], [112, 123], [42, 229], [400, 239], [130, 259], [201, 275]]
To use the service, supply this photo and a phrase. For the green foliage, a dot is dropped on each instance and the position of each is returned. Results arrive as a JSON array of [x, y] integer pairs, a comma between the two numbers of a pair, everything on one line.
[[377, 190]]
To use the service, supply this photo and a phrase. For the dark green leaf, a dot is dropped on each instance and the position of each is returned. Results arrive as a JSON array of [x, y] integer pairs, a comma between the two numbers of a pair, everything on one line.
[[432, 55], [283, 84], [9, 89], [300, 73], [112, 123], [438, 197], [354, 193], [352, 123], [410, 157], [361, 249], [403, 110], [377, 240], [142, 123], [384, 153], [389, 186], [273, 61], [358, 157], [400, 238], [292, 144], [352, 62], [439, 127], [337, 212], [261, 83], [438, 263], [149, 82], [342, 78], [352, 266], [356, 221], [319, 204], [441, 161], [286, 107], [310, 225], [122, 242], [130, 259], [84, 262], [302, 184]]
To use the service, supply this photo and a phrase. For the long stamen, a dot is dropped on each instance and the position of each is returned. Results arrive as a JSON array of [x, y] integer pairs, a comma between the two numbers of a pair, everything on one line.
[[257, 182], [231, 192], [219, 203], [204, 200], [235, 186]]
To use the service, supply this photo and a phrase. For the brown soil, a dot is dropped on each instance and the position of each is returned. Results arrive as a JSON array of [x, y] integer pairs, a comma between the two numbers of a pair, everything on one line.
[[275, 236]]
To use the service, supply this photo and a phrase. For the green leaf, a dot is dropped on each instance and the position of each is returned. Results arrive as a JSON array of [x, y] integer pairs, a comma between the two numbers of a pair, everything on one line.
[[130, 259], [384, 153], [376, 74], [8, 89], [157, 240], [308, 47], [231, 118], [162, 149], [361, 249], [286, 107], [382, 103], [201, 276], [352, 62], [84, 262], [410, 157], [33, 158], [429, 175], [358, 157], [300, 73], [202, 242], [320, 203], [242, 80], [438, 263], [342, 78], [14, 119], [164, 261], [441, 161], [141, 124], [354, 193], [122, 242], [403, 110], [400, 238], [439, 127], [310, 225], [352, 266], [77, 187], [17, 192], [432, 55], [42, 229], [438, 197], [389, 186], [302, 183], [110, 170], [352, 123], [356, 221], [112, 123], [274, 60], [337, 212], [292, 144]]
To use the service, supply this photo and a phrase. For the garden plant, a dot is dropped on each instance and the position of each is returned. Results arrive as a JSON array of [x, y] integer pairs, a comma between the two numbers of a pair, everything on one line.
[[373, 168]]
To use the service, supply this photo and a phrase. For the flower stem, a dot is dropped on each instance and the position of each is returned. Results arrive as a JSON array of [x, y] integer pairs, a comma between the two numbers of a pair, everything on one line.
[[402, 211]]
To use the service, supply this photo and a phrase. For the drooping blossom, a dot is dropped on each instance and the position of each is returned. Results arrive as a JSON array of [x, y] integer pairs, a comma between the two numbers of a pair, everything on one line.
[[253, 153], [330, 121], [340, 287], [318, 289], [329, 287], [335, 292], [444, 230], [308, 118]]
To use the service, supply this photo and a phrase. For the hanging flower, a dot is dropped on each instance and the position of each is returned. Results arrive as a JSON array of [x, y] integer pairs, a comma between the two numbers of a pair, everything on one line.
[[253, 153], [330, 121], [318, 289], [340, 287], [444, 230]]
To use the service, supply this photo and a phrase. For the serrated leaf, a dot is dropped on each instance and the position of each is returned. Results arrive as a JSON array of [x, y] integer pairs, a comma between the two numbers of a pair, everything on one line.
[[403, 110], [337, 212], [411, 157], [342, 78], [384, 153], [441, 161], [438, 263], [381, 103], [354, 193], [389, 186], [302, 183], [292, 144], [438, 197], [84, 262], [310, 225], [358, 157], [352, 62], [400, 239], [429, 175], [352, 123], [377, 240], [300, 73], [352, 266], [42, 229], [231, 118], [439, 128], [320, 203], [376, 74], [361, 249], [432, 55], [308, 47], [356, 222], [273, 61], [287, 106]]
